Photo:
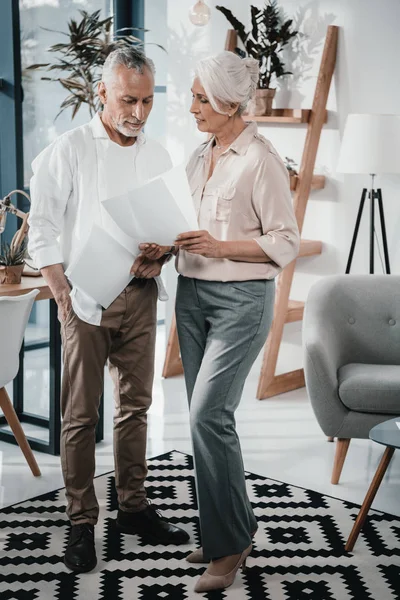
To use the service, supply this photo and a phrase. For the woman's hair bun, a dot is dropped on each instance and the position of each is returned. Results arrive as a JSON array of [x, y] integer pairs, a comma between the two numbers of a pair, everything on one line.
[[228, 79], [254, 72]]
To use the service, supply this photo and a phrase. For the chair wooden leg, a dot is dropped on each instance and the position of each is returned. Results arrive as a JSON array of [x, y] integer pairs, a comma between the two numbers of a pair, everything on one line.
[[13, 421], [373, 488], [340, 456]]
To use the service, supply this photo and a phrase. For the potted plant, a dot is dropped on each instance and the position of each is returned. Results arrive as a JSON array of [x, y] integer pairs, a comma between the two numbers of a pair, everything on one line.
[[269, 34], [293, 174], [12, 260], [82, 56]]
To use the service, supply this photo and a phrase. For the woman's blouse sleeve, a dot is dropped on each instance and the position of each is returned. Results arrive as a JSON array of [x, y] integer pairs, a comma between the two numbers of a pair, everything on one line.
[[272, 202]]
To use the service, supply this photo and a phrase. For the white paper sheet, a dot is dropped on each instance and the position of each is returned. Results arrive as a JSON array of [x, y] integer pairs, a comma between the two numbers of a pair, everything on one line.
[[157, 211], [102, 268], [398, 424]]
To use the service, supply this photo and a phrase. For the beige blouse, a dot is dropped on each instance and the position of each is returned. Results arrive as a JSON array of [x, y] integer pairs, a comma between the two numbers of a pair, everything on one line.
[[247, 197]]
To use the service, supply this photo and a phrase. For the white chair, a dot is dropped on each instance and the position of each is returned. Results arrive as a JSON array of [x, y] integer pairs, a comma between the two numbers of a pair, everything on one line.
[[14, 315]]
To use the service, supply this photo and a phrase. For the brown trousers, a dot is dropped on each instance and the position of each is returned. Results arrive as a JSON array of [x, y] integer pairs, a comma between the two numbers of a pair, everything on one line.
[[126, 337]]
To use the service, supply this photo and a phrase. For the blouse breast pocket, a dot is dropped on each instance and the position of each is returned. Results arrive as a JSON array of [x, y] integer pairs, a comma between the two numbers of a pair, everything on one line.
[[224, 203]]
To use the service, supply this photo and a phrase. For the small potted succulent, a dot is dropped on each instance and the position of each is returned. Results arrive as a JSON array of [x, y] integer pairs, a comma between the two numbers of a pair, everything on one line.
[[12, 261], [293, 174], [269, 34]]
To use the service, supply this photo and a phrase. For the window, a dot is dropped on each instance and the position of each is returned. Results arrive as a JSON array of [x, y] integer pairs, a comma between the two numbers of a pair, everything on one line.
[[43, 98]]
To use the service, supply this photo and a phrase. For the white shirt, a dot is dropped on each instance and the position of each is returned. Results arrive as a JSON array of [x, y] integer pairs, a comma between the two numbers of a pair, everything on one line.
[[71, 177]]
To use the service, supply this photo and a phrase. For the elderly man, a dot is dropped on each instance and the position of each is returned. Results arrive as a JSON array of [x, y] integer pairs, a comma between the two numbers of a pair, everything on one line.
[[100, 160]]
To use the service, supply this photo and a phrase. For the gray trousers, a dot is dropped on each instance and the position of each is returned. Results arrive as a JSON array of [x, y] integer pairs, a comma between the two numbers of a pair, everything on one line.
[[222, 328]]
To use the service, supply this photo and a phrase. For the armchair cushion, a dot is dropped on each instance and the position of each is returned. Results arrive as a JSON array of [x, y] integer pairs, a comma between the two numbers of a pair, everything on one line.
[[370, 388]]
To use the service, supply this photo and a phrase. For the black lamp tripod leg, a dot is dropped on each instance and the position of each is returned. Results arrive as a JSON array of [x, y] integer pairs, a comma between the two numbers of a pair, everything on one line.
[[356, 228], [383, 228], [372, 231]]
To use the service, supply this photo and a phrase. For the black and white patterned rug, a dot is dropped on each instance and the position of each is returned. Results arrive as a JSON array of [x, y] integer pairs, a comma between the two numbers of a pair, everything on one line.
[[298, 552]]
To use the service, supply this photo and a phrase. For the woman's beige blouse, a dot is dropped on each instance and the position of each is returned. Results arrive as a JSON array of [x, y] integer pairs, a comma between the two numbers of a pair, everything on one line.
[[247, 197]]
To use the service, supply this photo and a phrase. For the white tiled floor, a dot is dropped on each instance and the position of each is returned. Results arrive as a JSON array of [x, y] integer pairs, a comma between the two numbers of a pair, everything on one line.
[[280, 439]]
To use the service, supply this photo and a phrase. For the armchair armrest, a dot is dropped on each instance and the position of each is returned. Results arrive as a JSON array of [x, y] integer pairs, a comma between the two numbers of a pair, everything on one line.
[[324, 343]]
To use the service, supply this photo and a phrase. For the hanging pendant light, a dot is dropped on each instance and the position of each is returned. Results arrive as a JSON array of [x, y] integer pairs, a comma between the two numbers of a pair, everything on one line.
[[199, 14]]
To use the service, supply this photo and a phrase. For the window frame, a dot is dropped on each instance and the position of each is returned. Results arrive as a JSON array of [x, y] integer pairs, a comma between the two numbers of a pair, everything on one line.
[[11, 95]]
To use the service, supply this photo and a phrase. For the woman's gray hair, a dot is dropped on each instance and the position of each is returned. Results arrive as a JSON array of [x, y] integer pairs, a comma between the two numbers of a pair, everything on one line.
[[131, 57], [228, 79]]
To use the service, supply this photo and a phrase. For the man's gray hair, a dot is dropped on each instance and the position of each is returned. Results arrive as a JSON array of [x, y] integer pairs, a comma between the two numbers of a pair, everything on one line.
[[131, 57]]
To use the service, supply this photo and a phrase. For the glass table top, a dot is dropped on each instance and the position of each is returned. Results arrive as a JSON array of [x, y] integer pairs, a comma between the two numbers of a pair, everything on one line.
[[387, 433]]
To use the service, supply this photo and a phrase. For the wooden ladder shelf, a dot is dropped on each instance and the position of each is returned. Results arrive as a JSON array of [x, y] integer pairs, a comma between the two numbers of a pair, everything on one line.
[[286, 310]]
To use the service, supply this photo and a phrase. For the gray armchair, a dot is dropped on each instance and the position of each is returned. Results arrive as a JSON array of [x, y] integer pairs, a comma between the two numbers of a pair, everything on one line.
[[351, 338]]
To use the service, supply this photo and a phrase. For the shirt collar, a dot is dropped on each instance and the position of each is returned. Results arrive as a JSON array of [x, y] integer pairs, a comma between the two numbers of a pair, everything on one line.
[[240, 144], [99, 131]]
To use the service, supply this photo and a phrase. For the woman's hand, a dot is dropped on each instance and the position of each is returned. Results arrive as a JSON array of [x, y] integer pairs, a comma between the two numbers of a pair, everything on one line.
[[145, 268], [154, 251], [200, 242]]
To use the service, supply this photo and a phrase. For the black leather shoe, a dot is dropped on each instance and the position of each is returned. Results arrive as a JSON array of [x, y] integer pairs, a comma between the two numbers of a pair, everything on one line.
[[80, 555], [151, 527]]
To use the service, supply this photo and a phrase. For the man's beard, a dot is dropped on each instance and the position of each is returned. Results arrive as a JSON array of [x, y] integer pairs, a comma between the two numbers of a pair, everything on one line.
[[127, 131]]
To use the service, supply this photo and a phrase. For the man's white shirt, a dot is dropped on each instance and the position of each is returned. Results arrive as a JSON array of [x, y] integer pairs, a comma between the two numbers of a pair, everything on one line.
[[71, 179]]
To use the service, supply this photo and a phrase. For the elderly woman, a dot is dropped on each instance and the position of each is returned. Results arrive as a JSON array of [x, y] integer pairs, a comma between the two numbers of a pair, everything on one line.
[[225, 296]]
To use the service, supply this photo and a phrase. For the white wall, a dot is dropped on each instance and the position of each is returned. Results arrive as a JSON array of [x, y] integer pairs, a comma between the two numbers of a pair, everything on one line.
[[366, 79]]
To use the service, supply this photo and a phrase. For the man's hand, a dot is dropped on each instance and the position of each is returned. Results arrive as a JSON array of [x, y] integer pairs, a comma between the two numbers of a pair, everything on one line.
[[60, 288], [145, 268], [154, 251], [64, 305], [200, 242]]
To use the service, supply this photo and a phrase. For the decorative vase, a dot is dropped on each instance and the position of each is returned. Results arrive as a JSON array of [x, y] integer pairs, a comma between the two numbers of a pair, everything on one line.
[[11, 274], [261, 103]]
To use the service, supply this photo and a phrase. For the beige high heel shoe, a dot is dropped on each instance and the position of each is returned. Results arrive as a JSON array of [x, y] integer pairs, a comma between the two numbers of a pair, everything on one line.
[[209, 582], [198, 557]]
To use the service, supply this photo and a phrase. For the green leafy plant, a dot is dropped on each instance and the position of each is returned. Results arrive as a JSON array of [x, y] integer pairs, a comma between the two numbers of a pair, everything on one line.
[[80, 59], [11, 257], [269, 34]]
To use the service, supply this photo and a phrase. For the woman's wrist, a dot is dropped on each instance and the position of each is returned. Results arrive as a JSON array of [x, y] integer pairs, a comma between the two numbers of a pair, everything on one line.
[[242, 251], [224, 249]]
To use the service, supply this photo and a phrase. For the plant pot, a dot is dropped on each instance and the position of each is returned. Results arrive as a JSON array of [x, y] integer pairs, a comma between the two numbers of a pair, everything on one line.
[[269, 97], [261, 103], [293, 181], [11, 274]]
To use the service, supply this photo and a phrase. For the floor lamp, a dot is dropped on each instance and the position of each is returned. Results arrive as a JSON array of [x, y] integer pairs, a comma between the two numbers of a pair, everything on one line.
[[370, 146]]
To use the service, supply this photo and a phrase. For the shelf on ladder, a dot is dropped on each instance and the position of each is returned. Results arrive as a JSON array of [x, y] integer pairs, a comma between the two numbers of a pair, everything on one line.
[[317, 182], [284, 115], [295, 311]]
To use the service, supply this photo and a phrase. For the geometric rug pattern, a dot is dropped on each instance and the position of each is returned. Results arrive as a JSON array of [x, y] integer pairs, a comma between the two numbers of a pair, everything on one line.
[[298, 551]]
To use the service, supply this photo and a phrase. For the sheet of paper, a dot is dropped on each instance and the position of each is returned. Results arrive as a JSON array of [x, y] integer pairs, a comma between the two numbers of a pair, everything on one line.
[[398, 424], [157, 211], [178, 184], [102, 267]]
